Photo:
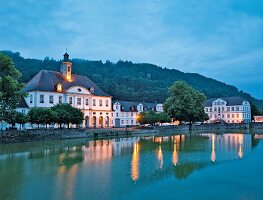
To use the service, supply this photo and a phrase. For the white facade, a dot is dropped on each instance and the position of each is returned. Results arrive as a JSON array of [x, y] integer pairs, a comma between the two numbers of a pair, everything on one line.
[[126, 113], [68, 88], [221, 109]]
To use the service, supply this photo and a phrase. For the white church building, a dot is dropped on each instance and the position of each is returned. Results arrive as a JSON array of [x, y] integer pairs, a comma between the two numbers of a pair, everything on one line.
[[229, 109], [49, 88]]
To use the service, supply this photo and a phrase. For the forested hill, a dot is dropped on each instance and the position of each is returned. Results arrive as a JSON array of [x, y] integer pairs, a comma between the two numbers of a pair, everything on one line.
[[125, 80]]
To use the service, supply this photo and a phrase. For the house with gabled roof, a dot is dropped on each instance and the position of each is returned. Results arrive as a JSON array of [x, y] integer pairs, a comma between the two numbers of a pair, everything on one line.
[[228, 109], [48, 88], [125, 113]]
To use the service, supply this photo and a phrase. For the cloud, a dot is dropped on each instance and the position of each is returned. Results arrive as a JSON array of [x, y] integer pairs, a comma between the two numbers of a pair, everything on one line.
[[221, 39]]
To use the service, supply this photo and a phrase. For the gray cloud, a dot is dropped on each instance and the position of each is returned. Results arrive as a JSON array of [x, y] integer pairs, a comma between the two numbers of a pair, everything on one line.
[[221, 39]]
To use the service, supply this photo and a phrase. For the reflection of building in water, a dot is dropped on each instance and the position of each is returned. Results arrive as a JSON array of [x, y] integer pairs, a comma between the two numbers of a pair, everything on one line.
[[229, 145], [135, 163], [103, 150], [160, 156]]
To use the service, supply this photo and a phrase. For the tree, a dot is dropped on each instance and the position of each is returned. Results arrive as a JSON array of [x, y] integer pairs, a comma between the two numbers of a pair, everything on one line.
[[147, 118], [163, 117], [185, 103], [68, 114], [21, 119], [10, 88]]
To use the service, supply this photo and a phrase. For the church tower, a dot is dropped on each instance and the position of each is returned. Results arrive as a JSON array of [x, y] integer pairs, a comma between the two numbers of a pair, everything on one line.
[[66, 67]]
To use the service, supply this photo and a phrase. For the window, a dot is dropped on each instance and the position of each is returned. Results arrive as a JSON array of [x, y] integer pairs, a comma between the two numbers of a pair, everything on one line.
[[94, 102], [70, 100], [228, 108], [41, 98], [131, 121], [131, 114], [60, 99], [79, 101], [232, 108], [79, 90], [117, 114], [215, 116], [210, 109], [92, 90], [223, 116], [215, 109], [51, 99], [127, 114], [31, 98], [107, 103], [233, 115], [228, 115], [59, 87], [237, 108], [237, 115], [122, 114], [206, 109], [100, 102], [117, 107], [122, 122], [127, 121], [87, 102], [223, 109]]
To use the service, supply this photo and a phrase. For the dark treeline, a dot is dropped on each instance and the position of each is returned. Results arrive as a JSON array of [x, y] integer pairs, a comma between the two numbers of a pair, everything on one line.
[[125, 80]]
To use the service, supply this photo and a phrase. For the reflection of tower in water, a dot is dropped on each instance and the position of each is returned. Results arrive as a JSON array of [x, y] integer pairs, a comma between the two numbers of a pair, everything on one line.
[[213, 154]]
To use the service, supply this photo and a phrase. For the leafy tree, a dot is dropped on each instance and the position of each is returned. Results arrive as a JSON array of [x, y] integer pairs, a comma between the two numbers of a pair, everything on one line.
[[21, 119], [10, 117], [10, 88], [163, 117], [185, 103], [35, 116], [68, 114]]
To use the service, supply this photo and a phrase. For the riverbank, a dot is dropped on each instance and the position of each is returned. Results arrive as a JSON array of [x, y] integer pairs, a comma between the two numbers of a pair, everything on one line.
[[14, 136]]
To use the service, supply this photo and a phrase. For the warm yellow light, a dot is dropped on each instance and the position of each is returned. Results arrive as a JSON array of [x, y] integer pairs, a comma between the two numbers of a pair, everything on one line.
[[135, 163], [175, 155], [160, 156], [59, 88]]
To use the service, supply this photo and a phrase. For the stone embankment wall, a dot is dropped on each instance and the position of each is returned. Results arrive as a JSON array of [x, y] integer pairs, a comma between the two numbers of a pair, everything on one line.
[[13, 136]]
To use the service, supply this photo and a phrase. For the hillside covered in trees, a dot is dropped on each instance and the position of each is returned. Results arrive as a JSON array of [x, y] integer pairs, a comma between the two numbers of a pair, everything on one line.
[[125, 80]]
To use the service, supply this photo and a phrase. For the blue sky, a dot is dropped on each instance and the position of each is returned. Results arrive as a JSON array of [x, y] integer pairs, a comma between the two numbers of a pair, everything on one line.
[[221, 39]]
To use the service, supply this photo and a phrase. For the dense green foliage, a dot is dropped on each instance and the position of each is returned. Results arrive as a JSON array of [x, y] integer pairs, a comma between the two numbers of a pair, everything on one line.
[[152, 117], [60, 114], [10, 88], [129, 81], [185, 103]]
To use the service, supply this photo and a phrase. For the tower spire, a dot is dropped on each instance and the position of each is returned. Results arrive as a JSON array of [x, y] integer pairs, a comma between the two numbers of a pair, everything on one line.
[[66, 67]]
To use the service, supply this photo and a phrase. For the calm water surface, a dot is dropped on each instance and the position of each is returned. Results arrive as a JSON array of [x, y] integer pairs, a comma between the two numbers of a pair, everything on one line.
[[206, 166]]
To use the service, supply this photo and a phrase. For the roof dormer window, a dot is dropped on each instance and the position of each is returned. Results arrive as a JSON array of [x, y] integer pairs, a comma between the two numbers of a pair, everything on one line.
[[59, 87], [92, 90]]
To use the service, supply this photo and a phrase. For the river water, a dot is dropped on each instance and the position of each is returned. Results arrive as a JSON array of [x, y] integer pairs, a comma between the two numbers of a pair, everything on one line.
[[203, 166]]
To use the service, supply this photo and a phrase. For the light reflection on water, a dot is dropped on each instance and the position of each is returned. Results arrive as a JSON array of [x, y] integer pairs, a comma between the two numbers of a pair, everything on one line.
[[104, 169]]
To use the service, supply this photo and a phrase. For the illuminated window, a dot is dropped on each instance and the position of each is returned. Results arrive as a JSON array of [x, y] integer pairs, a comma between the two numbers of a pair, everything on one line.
[[51, 99], [59, 88], [41, 98]]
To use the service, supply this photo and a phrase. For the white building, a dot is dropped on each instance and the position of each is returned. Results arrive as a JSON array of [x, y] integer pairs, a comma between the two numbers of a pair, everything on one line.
[[228, 109], [49, 88], [125, 113]]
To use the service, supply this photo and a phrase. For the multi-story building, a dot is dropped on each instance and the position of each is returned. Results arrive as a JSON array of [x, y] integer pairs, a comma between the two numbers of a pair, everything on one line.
[[125, 113], [258, 118], [49, 88], [228, 109]]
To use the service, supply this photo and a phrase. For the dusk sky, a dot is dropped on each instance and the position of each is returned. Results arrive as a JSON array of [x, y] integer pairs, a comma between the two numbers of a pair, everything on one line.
[[220, 39]]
